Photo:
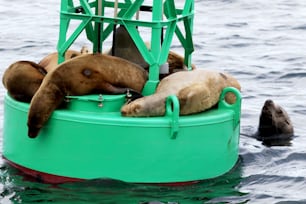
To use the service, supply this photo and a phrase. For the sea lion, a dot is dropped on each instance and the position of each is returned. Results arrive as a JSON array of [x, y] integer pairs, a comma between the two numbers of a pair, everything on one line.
[[22, 79], [275, 125], [196, 90], [82, 75], [124, 47], [50, 62]]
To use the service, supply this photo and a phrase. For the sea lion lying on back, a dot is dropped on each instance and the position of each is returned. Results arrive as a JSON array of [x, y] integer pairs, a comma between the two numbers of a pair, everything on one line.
[[94, 73], [275, 126], [196, 90], [50, 62], [22, 79]]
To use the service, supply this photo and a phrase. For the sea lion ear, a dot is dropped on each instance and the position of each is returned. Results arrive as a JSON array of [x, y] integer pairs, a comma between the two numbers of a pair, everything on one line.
[[86, 72], [223, 75]]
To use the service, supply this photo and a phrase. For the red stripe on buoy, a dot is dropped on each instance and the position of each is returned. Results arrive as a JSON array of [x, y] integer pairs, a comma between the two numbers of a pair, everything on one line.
[[55, 179], [41, 176]]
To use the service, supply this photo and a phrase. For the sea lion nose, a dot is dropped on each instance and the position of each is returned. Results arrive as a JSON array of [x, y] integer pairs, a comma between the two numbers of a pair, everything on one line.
[[33, 132], [268, 102]]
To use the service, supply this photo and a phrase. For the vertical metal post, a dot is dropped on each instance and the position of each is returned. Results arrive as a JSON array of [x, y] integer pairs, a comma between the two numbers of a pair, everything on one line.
[[155, 48], [97, 47], [64, 23], [115, 26]]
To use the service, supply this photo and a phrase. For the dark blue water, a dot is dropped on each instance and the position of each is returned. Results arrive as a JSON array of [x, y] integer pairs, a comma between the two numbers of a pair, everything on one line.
[[262, 43]]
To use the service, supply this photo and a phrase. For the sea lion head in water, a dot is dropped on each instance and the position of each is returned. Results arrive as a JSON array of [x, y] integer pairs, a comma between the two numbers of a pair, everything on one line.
[[274, 124], [22, 79], [94, 73]]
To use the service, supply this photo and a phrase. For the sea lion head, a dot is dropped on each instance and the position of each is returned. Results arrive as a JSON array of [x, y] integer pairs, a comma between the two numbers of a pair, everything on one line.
[[22, 79], [274, 123], [153, 105], [34, 127]]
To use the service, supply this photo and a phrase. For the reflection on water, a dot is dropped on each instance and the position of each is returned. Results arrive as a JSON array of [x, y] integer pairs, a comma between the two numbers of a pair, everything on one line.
[[20, 188], [262, 43]]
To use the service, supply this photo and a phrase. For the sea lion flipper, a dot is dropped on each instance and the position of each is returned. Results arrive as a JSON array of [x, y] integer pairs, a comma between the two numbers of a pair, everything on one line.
[[193, 97], [109, 88]]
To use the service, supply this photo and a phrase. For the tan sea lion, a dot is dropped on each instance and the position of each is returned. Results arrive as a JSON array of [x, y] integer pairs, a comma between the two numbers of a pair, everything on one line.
[[196, 90], [51, 61], [124, 47], [82, 75], [275, 125], [22, 79]]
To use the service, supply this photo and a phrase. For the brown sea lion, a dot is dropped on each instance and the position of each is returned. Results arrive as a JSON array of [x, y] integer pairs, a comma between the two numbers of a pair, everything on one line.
[[275, 125], [82, 75], [196, 90], [22, 79], [124, 47], [51, 61]]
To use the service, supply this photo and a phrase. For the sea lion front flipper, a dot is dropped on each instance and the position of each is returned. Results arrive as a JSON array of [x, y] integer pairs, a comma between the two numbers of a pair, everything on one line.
[[194, 98]]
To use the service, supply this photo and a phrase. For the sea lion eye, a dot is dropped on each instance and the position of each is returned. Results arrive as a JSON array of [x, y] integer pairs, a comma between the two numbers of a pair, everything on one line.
[[87, 72], [286, 121]]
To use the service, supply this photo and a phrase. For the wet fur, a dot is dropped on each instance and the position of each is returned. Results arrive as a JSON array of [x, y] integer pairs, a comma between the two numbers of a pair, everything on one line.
[[81, 75], [197, 90], [50, 62], [22, 79]]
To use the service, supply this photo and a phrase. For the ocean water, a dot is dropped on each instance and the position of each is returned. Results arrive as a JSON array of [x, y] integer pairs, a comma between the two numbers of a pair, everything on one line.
[[262, 43]]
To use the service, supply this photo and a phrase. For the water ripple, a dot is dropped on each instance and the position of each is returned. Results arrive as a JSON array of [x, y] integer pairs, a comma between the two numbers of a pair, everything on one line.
[[293, 75]]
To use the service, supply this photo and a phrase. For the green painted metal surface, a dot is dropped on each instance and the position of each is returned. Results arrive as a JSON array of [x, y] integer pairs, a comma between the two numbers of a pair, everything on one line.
[[89, 141]]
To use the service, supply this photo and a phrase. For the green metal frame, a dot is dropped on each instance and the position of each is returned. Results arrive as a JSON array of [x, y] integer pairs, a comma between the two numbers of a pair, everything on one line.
[[92, 20]]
